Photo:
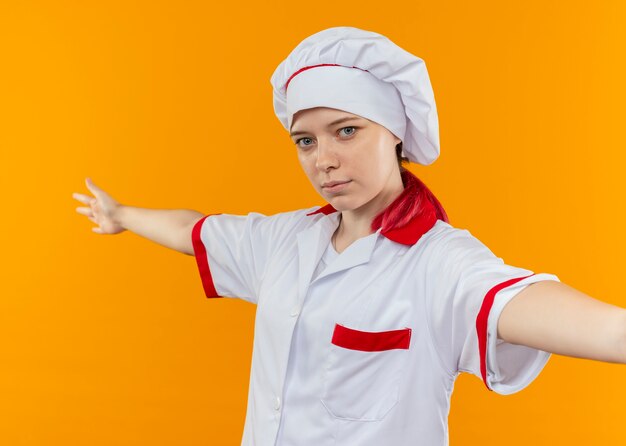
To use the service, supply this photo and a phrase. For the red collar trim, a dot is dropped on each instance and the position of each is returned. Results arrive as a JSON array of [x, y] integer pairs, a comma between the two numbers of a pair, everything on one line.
[[408, 234], [327, 209]]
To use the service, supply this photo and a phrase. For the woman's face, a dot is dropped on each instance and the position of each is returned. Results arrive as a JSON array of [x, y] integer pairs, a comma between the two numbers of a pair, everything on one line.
[[356, 151]]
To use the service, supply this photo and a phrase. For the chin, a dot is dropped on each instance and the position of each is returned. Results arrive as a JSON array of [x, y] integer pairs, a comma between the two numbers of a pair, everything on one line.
[[343, 203]]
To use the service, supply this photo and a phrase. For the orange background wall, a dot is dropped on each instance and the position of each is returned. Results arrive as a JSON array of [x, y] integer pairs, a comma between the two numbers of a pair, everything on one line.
[[109, 340]]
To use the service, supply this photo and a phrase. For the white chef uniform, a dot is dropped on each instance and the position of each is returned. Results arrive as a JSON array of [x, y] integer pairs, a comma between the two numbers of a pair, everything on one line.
[[366, 353]]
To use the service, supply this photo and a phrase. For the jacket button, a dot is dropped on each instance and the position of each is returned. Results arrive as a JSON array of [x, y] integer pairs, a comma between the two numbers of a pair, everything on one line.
[[295, 311], [277, 403]]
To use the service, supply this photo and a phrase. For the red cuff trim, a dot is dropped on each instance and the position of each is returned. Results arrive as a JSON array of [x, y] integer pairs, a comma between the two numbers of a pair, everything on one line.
[[369, 341], [202, 259], [481, 323]]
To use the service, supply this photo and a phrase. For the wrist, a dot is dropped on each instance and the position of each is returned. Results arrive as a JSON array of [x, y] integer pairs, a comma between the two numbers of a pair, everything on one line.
[[117, 216]]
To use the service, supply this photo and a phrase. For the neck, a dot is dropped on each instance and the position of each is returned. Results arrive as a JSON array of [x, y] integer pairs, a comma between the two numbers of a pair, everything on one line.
[[357, 223]]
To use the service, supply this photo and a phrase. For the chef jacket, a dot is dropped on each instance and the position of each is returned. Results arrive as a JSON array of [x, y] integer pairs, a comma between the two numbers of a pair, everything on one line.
[[366, 351]]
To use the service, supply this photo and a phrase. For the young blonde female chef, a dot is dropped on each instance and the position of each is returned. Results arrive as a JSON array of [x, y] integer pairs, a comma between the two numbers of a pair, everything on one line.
[[370, 306]]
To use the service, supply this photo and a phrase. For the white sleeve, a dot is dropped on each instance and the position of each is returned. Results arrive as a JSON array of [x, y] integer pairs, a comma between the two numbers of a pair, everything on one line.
[[468, 287], [233, 251]]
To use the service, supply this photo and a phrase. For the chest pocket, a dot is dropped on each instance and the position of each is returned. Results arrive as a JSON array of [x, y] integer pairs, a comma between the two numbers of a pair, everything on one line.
[[361, 379]]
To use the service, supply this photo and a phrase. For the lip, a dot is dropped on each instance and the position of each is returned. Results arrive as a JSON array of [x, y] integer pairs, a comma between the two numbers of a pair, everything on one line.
[[336, 186], [332, 183]]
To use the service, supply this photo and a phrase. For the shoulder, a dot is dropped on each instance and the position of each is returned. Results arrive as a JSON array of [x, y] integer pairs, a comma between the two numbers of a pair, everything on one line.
[[445, 236], [292, 218], [279, 225], [261, 224], [447, 244], [259, 218]]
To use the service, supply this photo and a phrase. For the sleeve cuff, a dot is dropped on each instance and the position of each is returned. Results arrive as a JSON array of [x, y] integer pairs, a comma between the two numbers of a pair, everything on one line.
[[202, 258], [507, 368]]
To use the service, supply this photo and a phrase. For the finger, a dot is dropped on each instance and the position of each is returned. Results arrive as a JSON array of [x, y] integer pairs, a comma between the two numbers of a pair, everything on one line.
[[98, 230], [84, 211], [82, 197], [92, 187], [93, 219]]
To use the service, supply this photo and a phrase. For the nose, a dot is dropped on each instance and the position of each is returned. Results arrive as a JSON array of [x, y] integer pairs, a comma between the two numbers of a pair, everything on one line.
[[326, 156]]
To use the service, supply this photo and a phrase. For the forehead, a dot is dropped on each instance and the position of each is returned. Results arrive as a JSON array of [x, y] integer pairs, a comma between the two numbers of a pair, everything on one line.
[[319, 116]]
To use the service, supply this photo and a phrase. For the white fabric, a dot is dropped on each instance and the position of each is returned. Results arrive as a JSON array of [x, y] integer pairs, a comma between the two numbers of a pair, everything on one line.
[[348, 89], [304, 390], [357, 49], [328, 257]]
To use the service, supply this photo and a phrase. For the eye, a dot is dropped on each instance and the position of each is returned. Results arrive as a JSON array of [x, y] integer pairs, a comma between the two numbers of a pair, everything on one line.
[[306, 138], [350, 133]]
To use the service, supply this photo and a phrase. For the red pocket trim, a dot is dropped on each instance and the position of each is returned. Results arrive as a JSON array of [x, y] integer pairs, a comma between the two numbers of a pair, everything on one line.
[[369, 341]]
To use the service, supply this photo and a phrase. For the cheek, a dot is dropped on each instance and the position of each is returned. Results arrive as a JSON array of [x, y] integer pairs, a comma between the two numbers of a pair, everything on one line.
[[372, 158], [385, 154], [376, 164], [308, 166], [303, 161]]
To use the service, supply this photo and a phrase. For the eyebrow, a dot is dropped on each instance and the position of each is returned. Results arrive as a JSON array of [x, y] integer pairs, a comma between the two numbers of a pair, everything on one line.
[[338, 121]]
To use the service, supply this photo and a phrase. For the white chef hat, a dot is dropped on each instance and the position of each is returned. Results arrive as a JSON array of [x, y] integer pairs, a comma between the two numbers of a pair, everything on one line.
[[363, 73]]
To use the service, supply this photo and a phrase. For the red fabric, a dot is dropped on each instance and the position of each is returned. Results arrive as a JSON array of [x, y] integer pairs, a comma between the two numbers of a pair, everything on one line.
[[416, 202], [202, 259], [481, 323], [326, 209], [315, 66], [409, 216], [369, 341]]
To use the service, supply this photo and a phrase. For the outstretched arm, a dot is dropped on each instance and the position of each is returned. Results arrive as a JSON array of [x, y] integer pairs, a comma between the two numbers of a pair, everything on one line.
[[554, 317], [168, 227]]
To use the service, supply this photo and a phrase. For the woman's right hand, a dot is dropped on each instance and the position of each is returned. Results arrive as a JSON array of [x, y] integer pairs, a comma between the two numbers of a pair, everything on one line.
[[102, 209]]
